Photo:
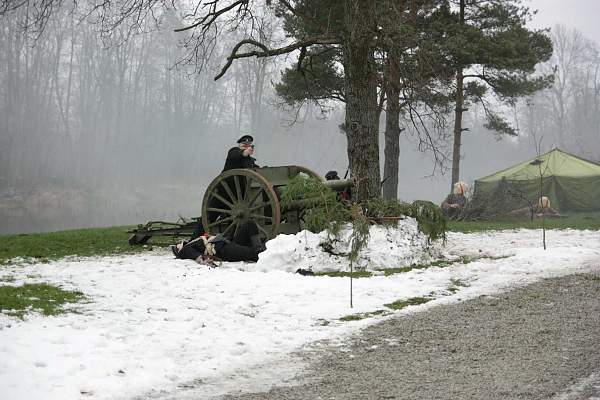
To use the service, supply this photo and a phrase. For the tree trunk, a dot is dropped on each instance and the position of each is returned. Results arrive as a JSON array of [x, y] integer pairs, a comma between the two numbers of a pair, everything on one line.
[[458, 113], [392, 130], [362, 123]]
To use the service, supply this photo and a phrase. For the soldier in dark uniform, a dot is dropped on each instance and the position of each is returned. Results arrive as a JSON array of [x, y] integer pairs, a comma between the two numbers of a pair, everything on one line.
[[241, 156], [245, 246], [237, 157], [346, 194]]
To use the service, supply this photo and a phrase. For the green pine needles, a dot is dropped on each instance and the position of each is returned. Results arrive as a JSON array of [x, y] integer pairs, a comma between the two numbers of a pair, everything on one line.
[[432, 221], [359, 237], [324, 212]]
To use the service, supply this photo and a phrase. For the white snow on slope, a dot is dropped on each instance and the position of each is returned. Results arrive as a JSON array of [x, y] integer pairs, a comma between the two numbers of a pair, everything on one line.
[[386, 248], [156, 326]]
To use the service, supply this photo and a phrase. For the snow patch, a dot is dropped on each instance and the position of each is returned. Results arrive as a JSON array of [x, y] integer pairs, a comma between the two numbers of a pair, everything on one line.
[[160, 327], [388, 247]]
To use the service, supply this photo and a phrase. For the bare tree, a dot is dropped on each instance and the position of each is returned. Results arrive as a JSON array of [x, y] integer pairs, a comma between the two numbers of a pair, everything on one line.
[[569, 111]]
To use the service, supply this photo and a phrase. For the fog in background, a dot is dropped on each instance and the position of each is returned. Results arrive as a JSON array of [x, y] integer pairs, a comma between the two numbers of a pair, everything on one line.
[[97, 130]]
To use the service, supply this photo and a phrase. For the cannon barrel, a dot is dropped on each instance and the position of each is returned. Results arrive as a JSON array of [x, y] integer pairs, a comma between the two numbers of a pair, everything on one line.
[[339, 184]]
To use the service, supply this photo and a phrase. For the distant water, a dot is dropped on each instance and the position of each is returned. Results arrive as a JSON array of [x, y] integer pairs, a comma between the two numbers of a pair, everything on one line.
[[29, 217]]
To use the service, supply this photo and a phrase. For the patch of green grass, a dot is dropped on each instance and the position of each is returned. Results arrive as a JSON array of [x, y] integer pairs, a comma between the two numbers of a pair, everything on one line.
[[400, 270], [413, 301], [575, 221], [438, 263], [342, 274], [359, 316], [442, 263], [82, 242], [456, 284], [47, 299]]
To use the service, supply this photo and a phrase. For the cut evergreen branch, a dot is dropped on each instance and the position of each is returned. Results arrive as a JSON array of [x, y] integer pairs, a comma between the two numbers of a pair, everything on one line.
[[329, 214], [359, 237], [46, 299], [383, 211], [325, 211], [432, 221]]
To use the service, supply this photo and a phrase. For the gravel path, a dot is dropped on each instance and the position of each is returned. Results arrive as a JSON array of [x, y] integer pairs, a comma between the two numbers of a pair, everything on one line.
[[537, 342]]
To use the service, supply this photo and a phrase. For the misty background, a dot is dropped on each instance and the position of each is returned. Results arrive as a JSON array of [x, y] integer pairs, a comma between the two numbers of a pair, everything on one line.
[[103, 129]]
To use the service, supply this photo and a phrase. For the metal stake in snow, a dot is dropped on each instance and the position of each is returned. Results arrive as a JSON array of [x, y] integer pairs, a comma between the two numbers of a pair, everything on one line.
[[350, 283], [538, 162]]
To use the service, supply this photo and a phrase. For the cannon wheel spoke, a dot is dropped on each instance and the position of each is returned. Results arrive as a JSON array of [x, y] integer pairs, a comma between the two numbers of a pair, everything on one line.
[[237, 227], [235, 223], [247, 188], [263, 230], [238, 189], [259, 216], [258, 193], [225, 186], [222, 199], [220, 222], [259, 206], [221, 210]]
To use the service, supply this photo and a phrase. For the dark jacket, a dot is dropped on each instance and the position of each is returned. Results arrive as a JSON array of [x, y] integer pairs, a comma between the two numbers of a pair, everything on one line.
[[193, 249], [236, 159], [455, 212], [240, 248]]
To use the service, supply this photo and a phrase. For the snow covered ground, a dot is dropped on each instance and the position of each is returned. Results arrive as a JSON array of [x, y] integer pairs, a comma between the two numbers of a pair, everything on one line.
[[157, 327]]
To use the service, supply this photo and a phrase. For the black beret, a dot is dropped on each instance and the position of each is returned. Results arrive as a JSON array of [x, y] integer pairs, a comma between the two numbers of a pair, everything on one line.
[[245, 139], [331, 175]]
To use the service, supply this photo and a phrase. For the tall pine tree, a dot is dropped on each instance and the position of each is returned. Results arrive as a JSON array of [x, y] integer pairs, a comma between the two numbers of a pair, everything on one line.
[[493, 52]]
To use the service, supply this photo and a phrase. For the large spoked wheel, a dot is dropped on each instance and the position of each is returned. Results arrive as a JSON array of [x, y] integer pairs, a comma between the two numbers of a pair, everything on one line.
[[237, 196]]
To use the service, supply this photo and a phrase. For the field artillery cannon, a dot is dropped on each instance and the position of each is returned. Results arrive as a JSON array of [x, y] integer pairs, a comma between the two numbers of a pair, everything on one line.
[[239, 195]]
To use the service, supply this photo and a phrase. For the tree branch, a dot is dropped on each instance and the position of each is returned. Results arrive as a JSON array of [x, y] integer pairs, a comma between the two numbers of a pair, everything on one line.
[[212, 16], [266, 52]]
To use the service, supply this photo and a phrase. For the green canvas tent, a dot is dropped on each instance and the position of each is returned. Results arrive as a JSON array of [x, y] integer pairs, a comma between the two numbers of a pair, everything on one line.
[[571, 183]]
